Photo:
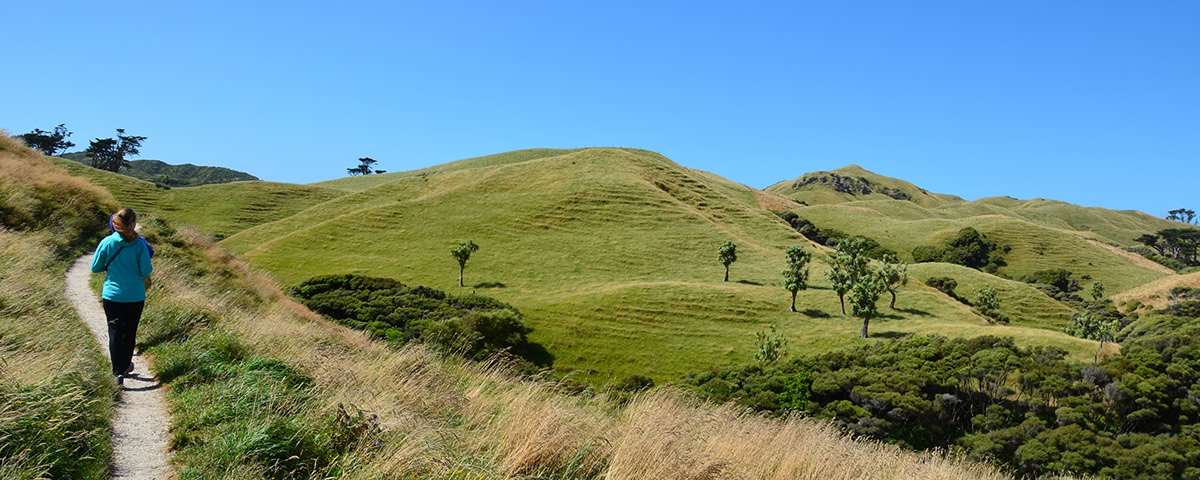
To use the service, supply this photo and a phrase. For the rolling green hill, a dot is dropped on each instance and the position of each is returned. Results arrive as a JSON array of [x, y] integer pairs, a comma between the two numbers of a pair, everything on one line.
[[610, 253], [1043, 234], [186, 175], [220, 210]]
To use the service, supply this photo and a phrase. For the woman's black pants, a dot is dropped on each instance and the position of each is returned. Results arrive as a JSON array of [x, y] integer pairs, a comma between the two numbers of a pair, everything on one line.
[[123, 321]]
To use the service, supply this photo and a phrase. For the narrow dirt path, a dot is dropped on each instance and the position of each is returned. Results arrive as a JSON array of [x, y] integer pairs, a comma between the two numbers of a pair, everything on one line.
[[140, 422]]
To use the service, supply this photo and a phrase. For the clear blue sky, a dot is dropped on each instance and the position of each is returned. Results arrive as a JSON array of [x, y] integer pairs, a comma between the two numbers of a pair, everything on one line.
[[1091, 102]]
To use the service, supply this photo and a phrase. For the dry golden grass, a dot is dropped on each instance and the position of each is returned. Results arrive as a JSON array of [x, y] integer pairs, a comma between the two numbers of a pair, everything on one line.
[[448, 418], [24, 166], [774, 202], [1155, 293], [666, 434], [55, 390]]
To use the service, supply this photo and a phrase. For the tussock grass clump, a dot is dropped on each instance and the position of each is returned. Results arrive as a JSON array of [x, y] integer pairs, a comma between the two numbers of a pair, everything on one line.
[[55, 393]]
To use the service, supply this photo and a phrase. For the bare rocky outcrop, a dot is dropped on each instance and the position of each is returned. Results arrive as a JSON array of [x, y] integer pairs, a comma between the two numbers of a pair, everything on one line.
[[849, 185]]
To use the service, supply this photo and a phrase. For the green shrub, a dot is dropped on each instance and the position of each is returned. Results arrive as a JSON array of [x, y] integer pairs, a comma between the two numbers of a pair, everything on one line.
[[945, 285], [472, 325], [1027, 408], [968, 248], [1059, 278]]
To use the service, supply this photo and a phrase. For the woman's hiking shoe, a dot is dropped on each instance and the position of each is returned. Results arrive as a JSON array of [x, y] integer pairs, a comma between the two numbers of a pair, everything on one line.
[[120, 380], [130, 369]]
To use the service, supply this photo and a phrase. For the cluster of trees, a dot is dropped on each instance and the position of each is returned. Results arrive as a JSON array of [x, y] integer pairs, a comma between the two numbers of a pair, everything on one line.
[[1135, 415], [851, 273], [968, 248], [105, 153], [366, 166], [49, 143], [1185, 215], [475, 326], [1180, 244]]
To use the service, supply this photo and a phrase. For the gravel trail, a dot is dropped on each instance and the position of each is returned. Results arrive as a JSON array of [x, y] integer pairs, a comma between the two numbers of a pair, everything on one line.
[[140, 422]]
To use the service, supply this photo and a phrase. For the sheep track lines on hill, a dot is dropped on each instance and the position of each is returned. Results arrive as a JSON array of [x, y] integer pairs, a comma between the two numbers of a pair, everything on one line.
[[139, 422]]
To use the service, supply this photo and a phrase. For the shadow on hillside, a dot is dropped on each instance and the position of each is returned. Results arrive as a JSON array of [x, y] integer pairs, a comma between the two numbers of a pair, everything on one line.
[[535, 353], [749, 282], [814, 313], [491, 285], [913, 311], [889, 334]]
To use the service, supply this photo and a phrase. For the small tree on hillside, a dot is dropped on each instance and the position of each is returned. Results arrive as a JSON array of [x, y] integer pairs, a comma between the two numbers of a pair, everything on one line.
[[109, 154], [895, 275], [365, 167], [1097, 291], [864, 295], [840, 278], [848, 264], [988, 303], [462, 252], [1093, 326], [49, 143], [795, 276], [727, 254], [770, 346]]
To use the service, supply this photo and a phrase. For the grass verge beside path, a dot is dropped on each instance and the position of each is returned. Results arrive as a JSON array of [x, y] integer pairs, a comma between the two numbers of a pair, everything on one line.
[[55, 391]]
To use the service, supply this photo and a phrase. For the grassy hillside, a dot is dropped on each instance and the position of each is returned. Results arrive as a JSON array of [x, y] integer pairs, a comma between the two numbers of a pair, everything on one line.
[[1109, 226], [220, 210], [265, 389], [610, 253], [186, 175], [1156, 293], [56, 395]]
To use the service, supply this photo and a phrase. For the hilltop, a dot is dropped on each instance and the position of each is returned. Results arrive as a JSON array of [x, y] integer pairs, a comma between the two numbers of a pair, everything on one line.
[[852, 183], [185, 175]]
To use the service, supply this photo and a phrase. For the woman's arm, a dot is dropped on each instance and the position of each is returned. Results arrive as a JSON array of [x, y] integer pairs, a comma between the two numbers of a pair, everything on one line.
[[100, 258]]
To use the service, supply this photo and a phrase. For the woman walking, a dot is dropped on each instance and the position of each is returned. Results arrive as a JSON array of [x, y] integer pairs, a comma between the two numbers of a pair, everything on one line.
[[126, 259]]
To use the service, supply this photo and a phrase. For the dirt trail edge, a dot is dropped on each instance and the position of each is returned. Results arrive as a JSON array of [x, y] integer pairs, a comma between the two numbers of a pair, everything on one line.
[[140, 422]]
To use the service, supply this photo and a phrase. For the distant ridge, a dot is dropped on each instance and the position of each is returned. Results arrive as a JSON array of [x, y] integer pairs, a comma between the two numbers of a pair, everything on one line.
[[851, 183], [186, 175]]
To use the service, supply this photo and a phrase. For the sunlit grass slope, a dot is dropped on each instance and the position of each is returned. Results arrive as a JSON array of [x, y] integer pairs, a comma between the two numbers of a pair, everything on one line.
[[1043, 233], [610, 253], [441, 417], [56, 393], [220, 210], [898, 225], [1156, 293]]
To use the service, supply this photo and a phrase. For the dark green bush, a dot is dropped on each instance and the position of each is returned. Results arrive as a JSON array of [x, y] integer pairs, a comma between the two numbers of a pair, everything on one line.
[[472, 325], [945, 285], [1132, 416], [968, 248], [1059, 278]]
